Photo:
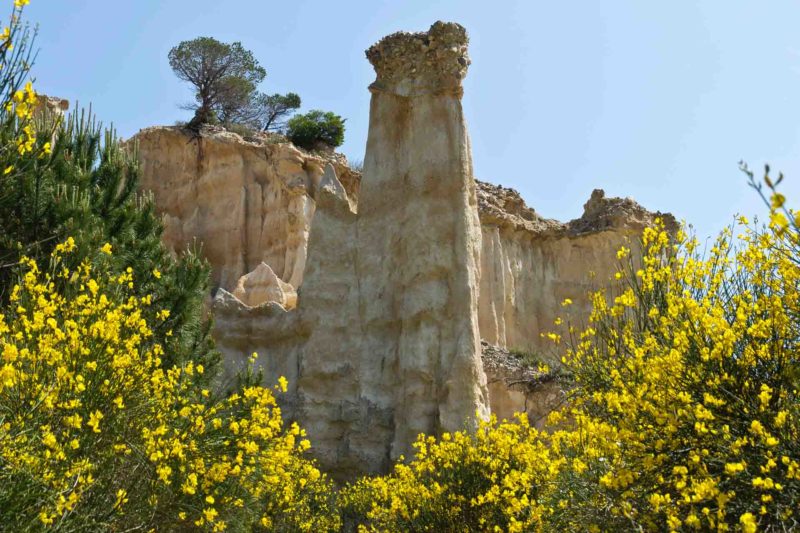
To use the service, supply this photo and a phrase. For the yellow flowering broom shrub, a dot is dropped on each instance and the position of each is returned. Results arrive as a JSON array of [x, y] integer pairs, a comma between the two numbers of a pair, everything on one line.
[[96, 434], [685, 415], [487, 481]]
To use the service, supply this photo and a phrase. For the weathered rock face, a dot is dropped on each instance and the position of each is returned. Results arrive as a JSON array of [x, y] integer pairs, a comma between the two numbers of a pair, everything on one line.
[[247, 202], [374, 313], [394, 348], [51, 108], [529, 265], [419, 235], [51, 104], [262, 285], [384, 342]]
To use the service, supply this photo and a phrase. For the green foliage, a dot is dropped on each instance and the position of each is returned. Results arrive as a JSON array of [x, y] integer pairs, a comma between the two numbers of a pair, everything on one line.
[[235, 100], [275, 108], [262, 112], [223, 75], [107, 422], [18, 137], [87, 189], [684, 411], [527, 358], [243, 130], [314, 128]]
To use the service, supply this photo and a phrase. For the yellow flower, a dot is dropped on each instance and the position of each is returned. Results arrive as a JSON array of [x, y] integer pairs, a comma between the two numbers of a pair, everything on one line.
[[94, 421], [164, 473], [73, 421], [748, 522], [106, 249], [122, 497], [62, 355], [210, 514], [49, 440]]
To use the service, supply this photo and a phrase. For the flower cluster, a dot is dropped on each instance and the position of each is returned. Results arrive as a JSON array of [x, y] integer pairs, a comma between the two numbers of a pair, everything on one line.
[[20, 102], [686, 412], [96, 432], [491, 480]]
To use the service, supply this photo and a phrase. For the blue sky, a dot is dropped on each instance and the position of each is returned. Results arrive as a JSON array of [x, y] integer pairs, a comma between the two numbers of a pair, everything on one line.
[[653, 100]]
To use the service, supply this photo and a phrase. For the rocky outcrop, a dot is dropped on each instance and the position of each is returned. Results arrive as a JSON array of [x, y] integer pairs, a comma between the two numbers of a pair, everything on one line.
[[50, 109], [419, 235], [51, 104], [262, 286], [252, 202], [384, 341], [247, 202], [371, 296], [530, 265]]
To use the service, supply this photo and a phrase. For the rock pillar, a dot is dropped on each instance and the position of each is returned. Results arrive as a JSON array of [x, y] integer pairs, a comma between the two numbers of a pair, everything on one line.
[[384, 342], [419, 234]]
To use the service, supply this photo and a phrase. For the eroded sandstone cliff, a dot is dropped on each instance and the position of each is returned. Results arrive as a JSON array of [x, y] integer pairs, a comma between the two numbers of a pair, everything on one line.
[[530, 265], [247, 202], [384, 342], [371, 296], [521, 385]]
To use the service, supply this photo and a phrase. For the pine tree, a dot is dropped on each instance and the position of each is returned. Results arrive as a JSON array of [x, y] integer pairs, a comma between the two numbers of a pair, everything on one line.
[[87, 189], [66, 177]]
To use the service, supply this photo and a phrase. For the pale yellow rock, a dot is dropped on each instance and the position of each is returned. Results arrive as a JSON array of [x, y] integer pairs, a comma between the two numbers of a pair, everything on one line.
[[384, 343], [245, 201], [51, 108], [262, 286], [419, 236], [530, 265], [371, 297], [51, 104]]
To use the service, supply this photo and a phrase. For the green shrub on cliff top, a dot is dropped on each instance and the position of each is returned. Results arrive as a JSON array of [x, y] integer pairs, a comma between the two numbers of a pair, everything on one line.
[[314, 128]]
